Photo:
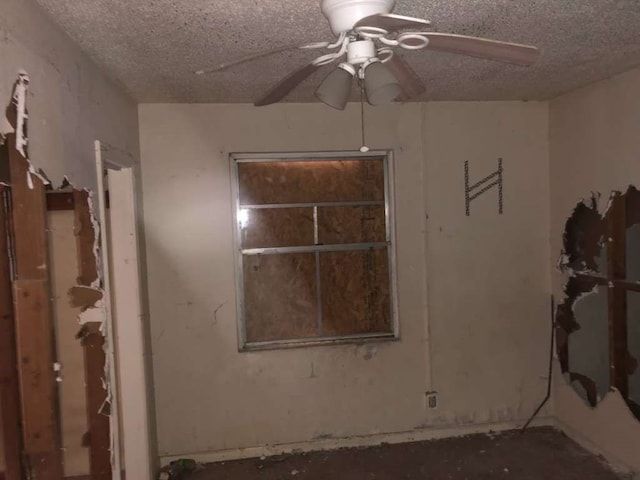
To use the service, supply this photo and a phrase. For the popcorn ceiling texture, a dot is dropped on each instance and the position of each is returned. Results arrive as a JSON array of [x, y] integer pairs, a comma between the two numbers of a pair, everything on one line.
[[153, 46]]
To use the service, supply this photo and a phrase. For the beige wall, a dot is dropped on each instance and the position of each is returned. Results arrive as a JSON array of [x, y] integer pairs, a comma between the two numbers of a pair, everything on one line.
[[488, 282], [71, 103], [488, 277], [594, 147]]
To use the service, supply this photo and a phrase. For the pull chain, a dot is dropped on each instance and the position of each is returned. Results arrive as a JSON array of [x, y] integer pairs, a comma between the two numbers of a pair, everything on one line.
[[364, 147]]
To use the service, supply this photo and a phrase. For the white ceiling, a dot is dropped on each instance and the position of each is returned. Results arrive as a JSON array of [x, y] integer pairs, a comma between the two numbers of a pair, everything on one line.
[[153, 46]]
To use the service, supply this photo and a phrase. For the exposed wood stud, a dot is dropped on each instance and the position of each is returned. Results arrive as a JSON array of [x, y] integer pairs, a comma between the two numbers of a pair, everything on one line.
[[11, 432], [59, 201], [85, 239], [97, 419], [34, 350], [35, 333], [617, 298]]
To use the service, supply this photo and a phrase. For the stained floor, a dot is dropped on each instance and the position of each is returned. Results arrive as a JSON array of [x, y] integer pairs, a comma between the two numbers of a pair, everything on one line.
[[538, 454]]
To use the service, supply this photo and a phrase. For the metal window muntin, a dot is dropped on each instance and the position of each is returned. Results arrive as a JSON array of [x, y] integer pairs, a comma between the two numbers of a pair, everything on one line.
[[387, 158]]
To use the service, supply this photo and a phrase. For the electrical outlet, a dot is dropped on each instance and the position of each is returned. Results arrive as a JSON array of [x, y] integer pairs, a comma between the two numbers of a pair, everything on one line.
[[432, 400]]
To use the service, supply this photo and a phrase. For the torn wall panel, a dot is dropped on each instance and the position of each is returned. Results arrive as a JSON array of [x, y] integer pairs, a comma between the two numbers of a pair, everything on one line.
[[596, 325], [32, 294], [566, 323], [589, 344], [89, 298], [38, 382], [583, 238]]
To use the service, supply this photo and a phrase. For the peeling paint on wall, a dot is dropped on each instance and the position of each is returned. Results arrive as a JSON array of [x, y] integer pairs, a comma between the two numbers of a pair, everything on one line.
[[83, 296], [19, 126], [20, 100]]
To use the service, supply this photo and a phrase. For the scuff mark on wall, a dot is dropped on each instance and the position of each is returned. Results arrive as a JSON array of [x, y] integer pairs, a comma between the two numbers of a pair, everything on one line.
[[216, 310], [367, 351], [313, 373]]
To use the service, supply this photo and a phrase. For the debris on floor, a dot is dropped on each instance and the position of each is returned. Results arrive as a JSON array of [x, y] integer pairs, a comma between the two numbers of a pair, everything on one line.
[[538, 454], [178, 469]]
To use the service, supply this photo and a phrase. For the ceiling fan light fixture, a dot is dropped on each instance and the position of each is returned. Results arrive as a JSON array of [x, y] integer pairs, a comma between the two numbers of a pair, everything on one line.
[[336, 87], [380, 85], [344, 14], [369, 34]]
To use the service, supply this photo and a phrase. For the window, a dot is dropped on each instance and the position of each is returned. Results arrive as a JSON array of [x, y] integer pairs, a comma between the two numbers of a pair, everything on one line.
[[314, 251]]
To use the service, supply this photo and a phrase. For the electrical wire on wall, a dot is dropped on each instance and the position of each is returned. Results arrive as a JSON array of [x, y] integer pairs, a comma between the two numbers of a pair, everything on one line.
[[549, 377]]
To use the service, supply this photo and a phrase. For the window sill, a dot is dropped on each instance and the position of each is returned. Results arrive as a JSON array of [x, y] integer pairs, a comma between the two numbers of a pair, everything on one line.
[[318, 342]]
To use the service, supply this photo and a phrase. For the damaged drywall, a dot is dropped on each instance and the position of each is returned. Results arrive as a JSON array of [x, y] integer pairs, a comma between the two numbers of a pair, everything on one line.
[[20, 101], [583, 237], [598, 323], [17, 116], [71, 101], [84, 297], [88, 293]]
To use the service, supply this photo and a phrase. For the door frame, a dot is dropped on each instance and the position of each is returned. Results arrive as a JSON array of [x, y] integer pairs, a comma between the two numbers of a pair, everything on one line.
[[125, 323]]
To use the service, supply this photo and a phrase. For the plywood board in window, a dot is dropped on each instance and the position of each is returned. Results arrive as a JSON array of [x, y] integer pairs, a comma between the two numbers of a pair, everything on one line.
[[311, 181], [355, 292], [280, 296], [363, 224], [277, 227]]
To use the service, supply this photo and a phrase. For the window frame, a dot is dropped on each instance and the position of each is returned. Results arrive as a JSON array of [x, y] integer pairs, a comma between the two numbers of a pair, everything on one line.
[[390, 244]]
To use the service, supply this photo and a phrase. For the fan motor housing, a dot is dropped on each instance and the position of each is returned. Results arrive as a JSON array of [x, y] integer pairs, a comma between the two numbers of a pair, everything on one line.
[[344, 14], [360, 52]]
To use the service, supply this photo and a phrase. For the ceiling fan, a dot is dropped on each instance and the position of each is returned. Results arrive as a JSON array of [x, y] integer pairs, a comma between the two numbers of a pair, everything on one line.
[[368, 34]]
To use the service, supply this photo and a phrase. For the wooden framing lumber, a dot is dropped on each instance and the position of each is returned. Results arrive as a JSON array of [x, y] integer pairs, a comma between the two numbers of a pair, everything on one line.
[[35, 332], [617, 298], [9, 392]]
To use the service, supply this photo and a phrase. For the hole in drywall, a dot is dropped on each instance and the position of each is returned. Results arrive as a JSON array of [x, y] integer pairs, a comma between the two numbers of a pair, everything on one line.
[[598, 323], [583, 242], [48, 258]]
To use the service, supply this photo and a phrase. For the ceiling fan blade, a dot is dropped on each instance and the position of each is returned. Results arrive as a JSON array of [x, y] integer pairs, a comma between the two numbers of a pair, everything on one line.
[[409, 80], [391, 22], [504, 52], [255, 56], [287, 84]]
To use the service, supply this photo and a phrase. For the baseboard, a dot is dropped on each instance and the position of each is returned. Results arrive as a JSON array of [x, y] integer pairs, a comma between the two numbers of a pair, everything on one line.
[[417, 435], [612, 459]]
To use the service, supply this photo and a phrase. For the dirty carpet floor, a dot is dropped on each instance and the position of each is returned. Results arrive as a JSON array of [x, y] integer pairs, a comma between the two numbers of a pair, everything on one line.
[[539, 454]]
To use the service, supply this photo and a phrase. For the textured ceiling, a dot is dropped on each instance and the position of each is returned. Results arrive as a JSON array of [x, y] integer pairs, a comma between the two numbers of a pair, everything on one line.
[[153, 46]]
